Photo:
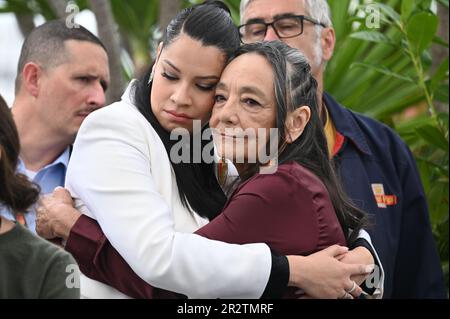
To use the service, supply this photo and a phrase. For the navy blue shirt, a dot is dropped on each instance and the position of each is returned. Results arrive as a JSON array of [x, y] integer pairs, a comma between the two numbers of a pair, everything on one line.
[[374, 161]]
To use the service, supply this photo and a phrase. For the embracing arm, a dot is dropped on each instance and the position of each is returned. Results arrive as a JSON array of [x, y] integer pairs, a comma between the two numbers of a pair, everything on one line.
[[56, 217], [113, 170], [320, 274], [100, 261], [277, 210]]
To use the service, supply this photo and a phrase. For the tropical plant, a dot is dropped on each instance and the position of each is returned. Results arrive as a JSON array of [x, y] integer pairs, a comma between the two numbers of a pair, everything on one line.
[[383, 68]]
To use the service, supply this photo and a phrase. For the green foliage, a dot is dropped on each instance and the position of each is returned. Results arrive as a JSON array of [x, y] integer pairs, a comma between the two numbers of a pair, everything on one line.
[[138, 25], [381, 67], [386, 71], [32, 7]]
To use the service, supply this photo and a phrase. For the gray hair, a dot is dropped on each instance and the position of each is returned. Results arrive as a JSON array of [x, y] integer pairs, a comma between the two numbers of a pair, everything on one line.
[[316, 9], [293, 82], [295, 86]]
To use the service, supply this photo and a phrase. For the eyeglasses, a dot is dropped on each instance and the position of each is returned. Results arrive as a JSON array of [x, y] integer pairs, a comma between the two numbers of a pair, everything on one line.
[[284, 27]]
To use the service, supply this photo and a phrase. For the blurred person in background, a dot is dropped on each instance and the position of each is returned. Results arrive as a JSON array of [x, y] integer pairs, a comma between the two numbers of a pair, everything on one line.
[[30, 267]]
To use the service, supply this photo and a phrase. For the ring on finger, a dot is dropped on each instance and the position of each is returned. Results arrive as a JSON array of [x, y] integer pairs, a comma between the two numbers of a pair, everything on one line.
[[353, 288]]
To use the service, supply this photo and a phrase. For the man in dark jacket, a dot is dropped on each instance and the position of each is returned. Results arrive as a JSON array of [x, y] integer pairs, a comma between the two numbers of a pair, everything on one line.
[[377, 168]]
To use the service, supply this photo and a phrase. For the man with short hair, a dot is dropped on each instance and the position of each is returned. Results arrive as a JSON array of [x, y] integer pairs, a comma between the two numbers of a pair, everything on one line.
[[62, 77], [377, 168]]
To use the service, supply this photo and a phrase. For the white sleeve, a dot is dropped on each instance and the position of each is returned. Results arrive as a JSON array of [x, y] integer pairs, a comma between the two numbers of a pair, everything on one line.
[[378, 280], [110, 172]]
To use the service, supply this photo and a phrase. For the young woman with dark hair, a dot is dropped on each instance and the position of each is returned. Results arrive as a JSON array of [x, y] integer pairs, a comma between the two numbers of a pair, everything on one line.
[[147, 205], [30, 267], [16, 191]]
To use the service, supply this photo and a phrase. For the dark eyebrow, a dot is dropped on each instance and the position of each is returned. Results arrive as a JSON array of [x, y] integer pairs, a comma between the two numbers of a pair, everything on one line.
[[255, 20], [278, 16], [244, 89], [222, 86], [173, 66], [93, 77], [252, 90], [285, 15], [207, 77]]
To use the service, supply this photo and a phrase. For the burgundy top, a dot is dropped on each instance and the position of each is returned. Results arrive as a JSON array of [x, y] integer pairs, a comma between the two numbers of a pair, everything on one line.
[[290, 211]]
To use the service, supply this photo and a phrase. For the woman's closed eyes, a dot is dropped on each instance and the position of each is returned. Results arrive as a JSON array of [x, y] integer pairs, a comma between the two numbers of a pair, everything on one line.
[[201, 87]]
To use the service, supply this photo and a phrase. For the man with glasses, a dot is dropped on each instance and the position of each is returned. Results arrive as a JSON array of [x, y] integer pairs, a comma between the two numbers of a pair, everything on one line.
[[376, 167]]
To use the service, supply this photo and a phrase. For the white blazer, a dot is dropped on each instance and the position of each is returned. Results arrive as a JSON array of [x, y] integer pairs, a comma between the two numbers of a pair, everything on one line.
[[121, 172]]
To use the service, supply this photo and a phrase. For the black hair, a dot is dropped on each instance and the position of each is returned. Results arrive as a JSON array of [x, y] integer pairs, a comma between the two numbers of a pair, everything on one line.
[[16, 191], [294, 87], [46, 45], [212, 25]]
